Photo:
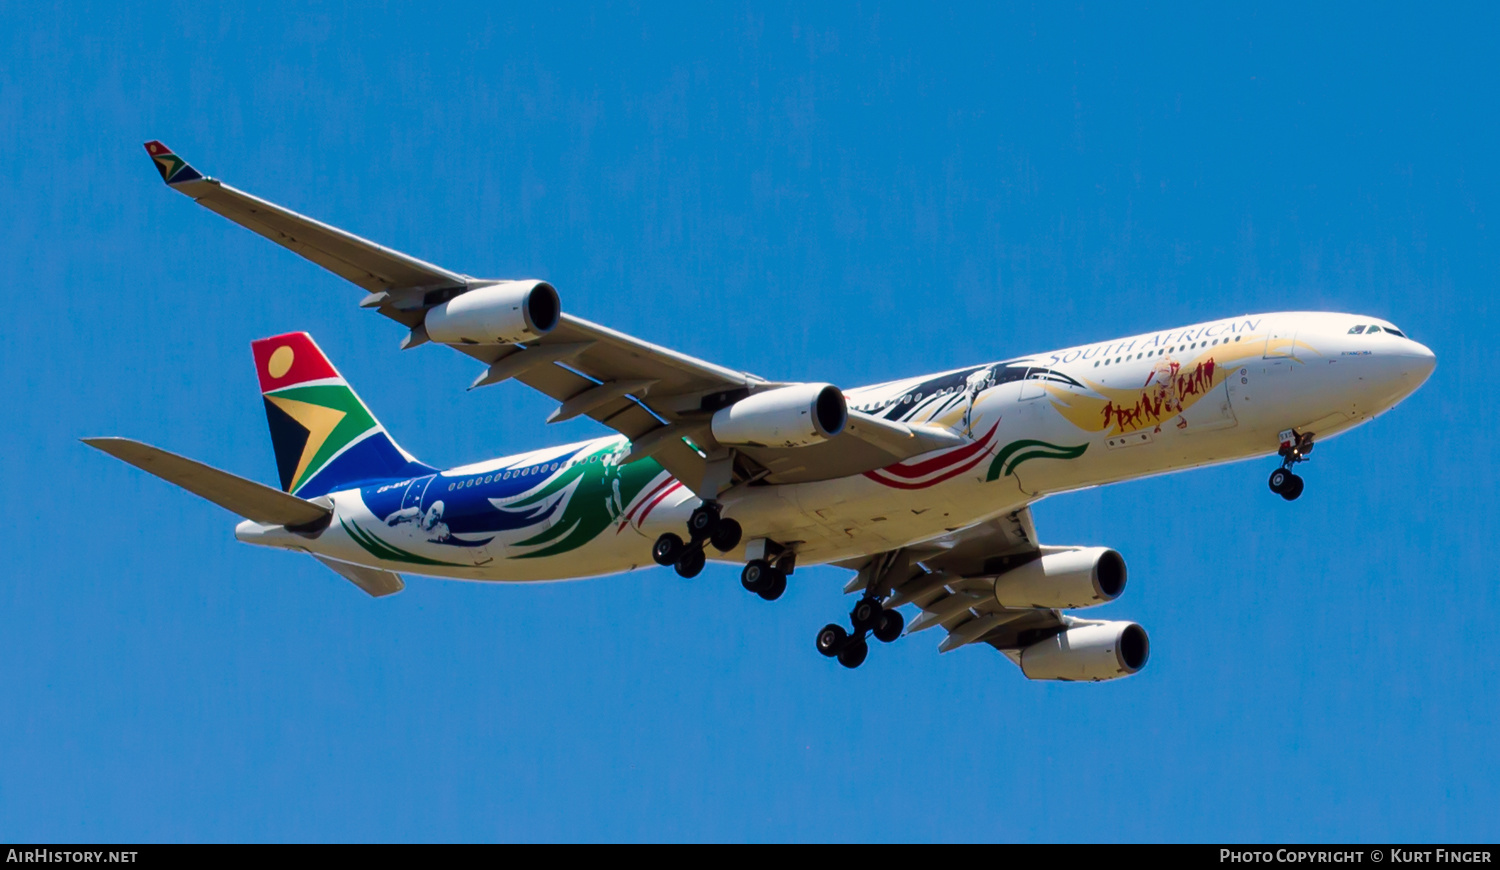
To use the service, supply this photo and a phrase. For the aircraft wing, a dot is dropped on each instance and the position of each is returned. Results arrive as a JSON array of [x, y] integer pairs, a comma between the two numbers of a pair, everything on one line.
[[357, 260], [952, 580], [658, 398]]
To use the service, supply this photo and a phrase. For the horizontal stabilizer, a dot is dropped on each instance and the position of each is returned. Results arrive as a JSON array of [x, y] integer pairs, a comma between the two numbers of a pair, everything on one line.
[[251, 500], [373, 580]]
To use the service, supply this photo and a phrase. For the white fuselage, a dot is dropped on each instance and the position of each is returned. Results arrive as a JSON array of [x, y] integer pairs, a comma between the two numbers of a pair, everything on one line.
[[1077, 417]]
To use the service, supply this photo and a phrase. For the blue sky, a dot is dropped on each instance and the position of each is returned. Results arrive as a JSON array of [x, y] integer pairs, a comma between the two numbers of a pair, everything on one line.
[[848, 194]]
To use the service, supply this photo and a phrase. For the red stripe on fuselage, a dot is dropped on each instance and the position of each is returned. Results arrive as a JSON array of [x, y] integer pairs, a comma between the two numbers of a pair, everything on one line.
[[938, 463], [676, 485], [923, 484], [640, 503]]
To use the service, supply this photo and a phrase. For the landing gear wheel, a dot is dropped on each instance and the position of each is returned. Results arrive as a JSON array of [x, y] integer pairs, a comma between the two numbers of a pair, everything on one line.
[[866, 614], [703, 521], [831, 639], [775, 588], [757, 576], [890, 625], [853, 655], [1279, 480], [667, 549], [725, 536], [689, 564], [1292, 488]]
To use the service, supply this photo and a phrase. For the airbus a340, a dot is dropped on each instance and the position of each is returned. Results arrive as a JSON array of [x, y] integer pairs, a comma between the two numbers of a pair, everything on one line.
[[921, 486]]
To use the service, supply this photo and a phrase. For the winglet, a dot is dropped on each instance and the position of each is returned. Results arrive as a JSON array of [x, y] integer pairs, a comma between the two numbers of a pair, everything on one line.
[[173, 169]]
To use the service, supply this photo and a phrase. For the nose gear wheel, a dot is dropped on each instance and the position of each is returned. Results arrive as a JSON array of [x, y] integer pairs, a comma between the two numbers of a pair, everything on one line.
[[1294, 449]]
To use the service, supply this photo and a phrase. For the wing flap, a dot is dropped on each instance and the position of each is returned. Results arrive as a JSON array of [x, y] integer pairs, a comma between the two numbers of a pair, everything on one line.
[[251, 500], [617, 356]]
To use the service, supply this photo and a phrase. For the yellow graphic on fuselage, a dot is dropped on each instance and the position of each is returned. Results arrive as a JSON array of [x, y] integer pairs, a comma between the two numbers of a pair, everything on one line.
[[1169, 389]]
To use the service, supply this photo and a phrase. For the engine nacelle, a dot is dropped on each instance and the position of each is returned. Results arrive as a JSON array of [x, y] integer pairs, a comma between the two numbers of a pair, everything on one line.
[[1093, 652], [793, 416], [1064, 580], [504, 313]]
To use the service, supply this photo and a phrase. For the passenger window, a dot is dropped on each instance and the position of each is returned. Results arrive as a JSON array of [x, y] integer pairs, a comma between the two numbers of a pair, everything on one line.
[[1356, 330]]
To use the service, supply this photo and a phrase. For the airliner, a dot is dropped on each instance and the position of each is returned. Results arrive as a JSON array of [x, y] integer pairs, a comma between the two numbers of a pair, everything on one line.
[[920, 487]]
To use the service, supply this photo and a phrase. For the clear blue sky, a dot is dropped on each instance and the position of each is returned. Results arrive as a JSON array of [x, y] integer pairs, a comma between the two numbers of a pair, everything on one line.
[[849, 195]]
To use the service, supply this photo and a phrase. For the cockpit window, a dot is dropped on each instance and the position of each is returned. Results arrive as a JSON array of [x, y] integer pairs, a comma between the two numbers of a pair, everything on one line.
[[1394, 331], [1372, 330], [1356, 330]]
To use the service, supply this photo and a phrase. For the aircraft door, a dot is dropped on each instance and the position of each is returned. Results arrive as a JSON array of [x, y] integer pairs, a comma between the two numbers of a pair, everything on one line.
[[1031, 385], [1214, 410], [1282, 340], [413, 496]]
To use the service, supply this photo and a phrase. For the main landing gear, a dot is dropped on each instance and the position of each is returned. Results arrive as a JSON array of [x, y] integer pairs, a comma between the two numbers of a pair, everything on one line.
[[766, 579], [868, 616], [705, 526], [1294, 449]]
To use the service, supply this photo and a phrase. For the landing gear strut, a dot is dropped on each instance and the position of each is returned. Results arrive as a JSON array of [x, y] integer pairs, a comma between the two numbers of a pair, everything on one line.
[[705, 526], [1294, 449], [868, 616]]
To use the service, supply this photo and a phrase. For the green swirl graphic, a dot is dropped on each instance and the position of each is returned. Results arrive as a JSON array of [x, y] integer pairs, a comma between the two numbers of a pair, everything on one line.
[[603, 489], [1017, 452]]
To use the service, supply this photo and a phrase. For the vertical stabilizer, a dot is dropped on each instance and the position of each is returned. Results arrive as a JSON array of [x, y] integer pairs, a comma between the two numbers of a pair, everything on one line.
[[324, 436]]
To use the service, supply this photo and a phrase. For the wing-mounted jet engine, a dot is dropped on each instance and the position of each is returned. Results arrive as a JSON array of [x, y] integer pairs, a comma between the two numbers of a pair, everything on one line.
[[992, 583], [1091, 651], [794, 416], [1063, 578], [508, 312]]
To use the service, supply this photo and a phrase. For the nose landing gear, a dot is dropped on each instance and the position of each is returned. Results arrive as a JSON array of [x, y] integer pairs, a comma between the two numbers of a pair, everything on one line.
[[868, 616], [706, 526], [1294, 449]]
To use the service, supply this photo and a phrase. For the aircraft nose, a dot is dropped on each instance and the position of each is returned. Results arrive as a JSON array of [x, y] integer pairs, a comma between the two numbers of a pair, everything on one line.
[[1418, 363]]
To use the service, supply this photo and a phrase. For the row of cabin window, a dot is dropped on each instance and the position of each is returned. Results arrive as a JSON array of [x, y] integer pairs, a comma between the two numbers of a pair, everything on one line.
[[1169, 350], [907, 399], [1372, 329], [488, 478]]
